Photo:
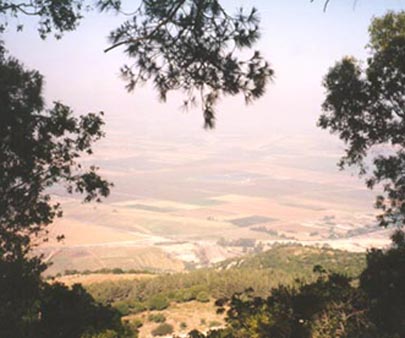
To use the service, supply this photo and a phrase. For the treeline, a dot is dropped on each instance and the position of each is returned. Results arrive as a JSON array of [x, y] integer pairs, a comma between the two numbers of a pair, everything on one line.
[[114, 271], [281, 265]]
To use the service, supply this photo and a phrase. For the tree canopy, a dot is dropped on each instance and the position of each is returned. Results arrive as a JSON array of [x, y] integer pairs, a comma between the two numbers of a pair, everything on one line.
[[39, 148], [54, 15], [365, 107], [192, 46]]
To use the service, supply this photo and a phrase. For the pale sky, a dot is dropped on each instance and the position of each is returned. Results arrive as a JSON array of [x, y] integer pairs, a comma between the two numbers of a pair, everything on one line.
[[298, 38]]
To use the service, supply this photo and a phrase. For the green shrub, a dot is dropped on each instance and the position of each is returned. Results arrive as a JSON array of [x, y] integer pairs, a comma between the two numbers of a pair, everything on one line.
[[136, 323], [183, 325], [104, 334], [203, 297], [158, 302], [136, 306], [162, 330], [157, 318], [214, 323], [122, 307], [187, 296]]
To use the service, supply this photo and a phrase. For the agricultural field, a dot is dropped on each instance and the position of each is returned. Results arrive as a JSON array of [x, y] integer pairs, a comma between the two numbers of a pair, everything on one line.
[[174, 200]]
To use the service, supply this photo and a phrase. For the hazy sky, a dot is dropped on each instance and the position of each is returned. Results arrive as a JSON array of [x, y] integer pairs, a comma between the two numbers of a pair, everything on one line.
[[298, 38]]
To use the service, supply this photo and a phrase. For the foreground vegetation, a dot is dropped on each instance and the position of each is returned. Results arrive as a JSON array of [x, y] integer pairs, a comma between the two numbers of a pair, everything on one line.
[[159, 296], [331, 306]]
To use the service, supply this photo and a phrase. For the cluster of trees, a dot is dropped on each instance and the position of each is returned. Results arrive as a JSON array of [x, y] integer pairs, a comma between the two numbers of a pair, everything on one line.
[[365, 107], [242, 242], [40, 147], [114, 271], [32, 308]]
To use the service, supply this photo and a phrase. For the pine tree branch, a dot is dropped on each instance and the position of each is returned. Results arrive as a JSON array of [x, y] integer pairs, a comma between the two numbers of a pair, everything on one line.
[[148, 36]]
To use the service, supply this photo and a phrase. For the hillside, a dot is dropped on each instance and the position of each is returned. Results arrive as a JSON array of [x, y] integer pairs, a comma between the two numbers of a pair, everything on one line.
[[174, 294], [297, 259]]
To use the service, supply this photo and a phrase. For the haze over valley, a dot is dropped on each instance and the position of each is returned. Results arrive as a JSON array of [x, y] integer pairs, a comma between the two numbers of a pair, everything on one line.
[[188, 201]]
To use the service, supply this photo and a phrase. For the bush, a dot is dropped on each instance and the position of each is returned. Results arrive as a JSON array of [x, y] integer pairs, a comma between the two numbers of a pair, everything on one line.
[[104, 334], [157, 318], [183, 326], [214, 323], [136, 307], [183, 296], [158, 302], [162, 330], [122, 308], [136, 323], [203, 297]]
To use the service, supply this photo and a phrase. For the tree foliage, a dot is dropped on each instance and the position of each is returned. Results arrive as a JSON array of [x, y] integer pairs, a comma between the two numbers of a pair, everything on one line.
[[54, 15], [365, 106], [162, 330], [32, 308], [328, 307], [384, 282], [39, 148], [193, 46]]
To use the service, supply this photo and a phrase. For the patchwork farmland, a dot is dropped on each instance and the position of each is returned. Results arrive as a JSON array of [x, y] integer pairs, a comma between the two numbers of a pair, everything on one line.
[[171, 210]]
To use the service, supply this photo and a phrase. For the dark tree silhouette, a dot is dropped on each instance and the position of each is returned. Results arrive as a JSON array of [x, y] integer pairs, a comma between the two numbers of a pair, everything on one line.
[[39, 148], [328, 307], [189, 45], [32, 308], [72, 312], [384, 282], [54, 15], [20, 290], [193, 46], [365, 106]]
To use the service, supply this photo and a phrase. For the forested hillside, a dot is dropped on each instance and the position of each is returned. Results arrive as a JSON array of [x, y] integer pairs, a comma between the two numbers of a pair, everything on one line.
[[281, 265]]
